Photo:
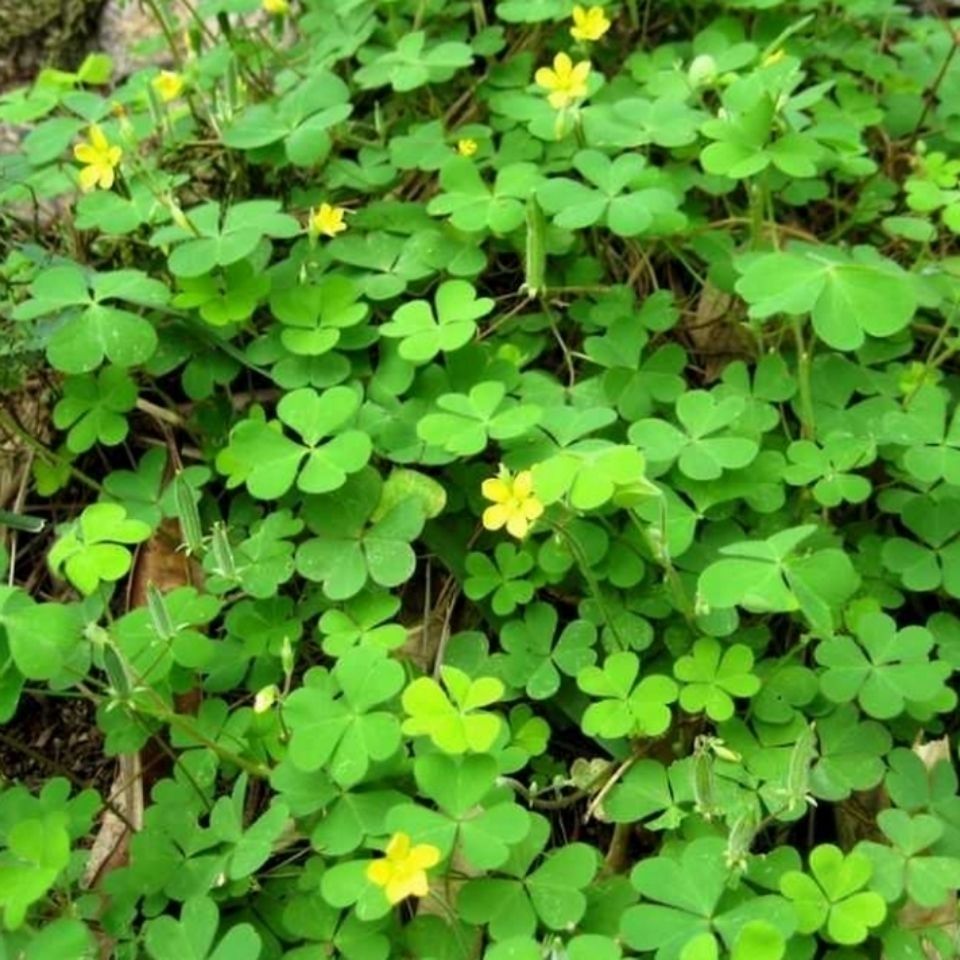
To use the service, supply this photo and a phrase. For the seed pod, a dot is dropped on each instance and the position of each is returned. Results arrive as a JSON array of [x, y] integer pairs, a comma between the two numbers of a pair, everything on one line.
[[798, 770], [703, 779], [223, 552], [743, 831], [188, 514], [159, 614], [535, 259]]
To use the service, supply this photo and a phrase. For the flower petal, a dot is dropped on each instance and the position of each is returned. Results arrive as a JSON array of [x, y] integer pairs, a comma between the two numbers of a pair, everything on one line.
[[518, 525], [580, 73], [97, 137], [85, 153], [399, 847], [89, 177], [532, 508], [496, 516], [496, 490], [379, 872], [523, 484], [562, 64], [546, 78], [423, 856]]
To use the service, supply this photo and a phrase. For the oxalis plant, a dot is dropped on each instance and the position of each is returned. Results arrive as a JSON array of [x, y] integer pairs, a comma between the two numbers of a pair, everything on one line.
[[547, 420]]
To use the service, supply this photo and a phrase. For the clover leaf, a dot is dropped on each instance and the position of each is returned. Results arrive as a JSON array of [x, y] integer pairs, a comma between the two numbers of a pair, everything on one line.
[[300, 119], [848, 296], [932, 444], [93, 407], [472, 205], [453, 720], [686, 896], [830, 468], [215, 238], [626, 195], [229, 295], [712, 677], [592, 472], [625, 708], [315, 316], [425, 332], [359, 537], [411, 64], [342, 733], [909, 866], [90, 327], [933, 517], [92, 549], [700, 454], [851, 754], [533, 662], [832, 896], [504, 577], [770, 575], [366, 620], [886, 670], [42, 638], [512, 905], [35, 851], [746, 140], [472, 817], [268, 462], [194, 933], [469, 421]]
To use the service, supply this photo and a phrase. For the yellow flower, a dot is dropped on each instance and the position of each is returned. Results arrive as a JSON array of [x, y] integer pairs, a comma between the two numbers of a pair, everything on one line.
[[277, 7], [589, 24], [168, 85], [466, 147], [565, 82], [515, 505], [327, 220], [771, 58], [100, 158], [403, 871]]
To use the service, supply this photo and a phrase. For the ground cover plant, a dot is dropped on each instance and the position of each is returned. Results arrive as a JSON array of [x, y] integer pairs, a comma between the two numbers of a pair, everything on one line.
[[501, 488]]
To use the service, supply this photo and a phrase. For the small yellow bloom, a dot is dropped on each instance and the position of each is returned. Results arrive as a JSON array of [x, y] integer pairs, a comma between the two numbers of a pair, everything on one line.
[[327, 220], [277, 7], [101, 159], [403, 871], [771, 58], [564, 81], [466, 147], [515, 505], [168, 85], [589, 24]]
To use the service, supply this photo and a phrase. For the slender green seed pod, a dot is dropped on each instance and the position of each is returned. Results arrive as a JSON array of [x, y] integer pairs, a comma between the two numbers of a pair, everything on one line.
[[535, 259], [159, 614], [223, 552], [188, 514], [703, 779], [116, 673], [743, 831], [798, 770]]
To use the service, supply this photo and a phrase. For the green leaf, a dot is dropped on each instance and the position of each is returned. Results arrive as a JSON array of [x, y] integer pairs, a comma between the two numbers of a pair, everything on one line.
[[833, 897], [712, 676], [425, 332], [847, 296], [192, 936], [343, 734], [454, 723]]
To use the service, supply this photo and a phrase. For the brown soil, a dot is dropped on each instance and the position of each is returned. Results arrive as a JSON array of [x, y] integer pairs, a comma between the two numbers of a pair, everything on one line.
[[52, 736]]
